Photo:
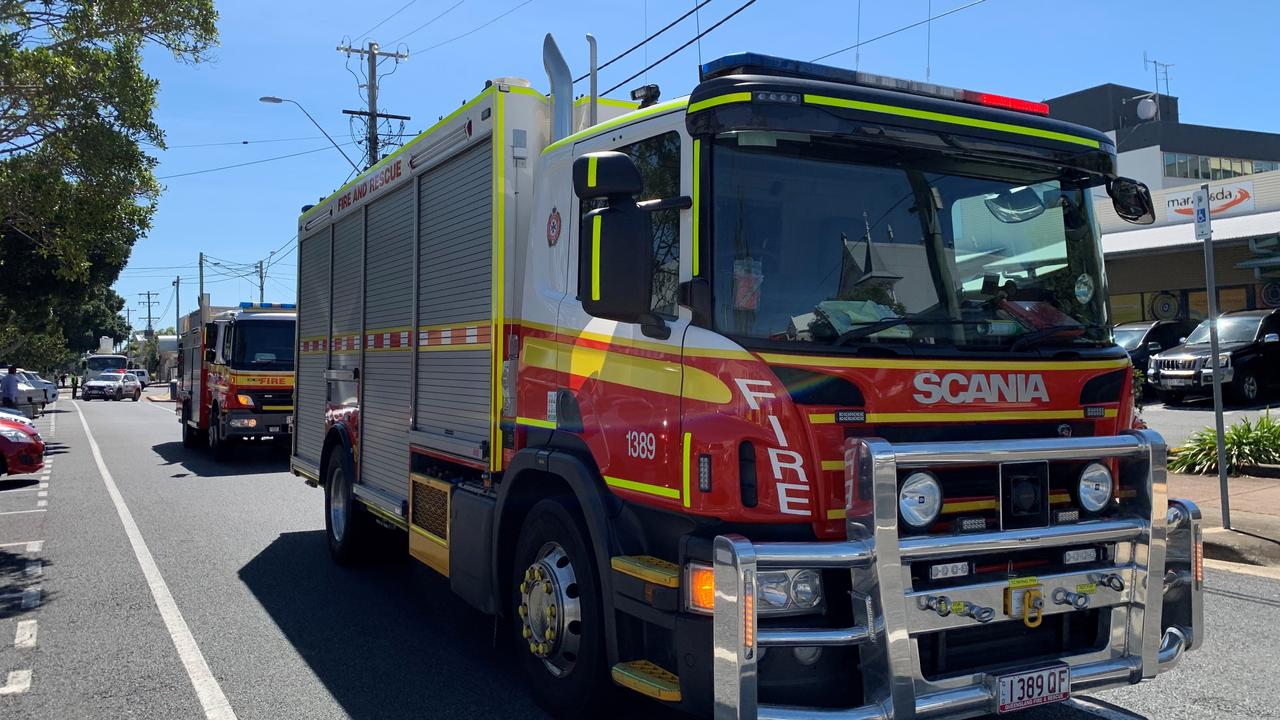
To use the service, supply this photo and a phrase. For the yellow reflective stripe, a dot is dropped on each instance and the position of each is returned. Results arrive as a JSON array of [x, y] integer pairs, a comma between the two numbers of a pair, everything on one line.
[[277, 408], [835, 514], [697, 161], [951, 508], [889, 364], [641, 373], [684, 466], [595, 258], [720, 100], [642, 487], [626, 119], [948, 118], [591, 171], [832, 464], [497, 292], [534, 422], [394, 519], [963, 416]]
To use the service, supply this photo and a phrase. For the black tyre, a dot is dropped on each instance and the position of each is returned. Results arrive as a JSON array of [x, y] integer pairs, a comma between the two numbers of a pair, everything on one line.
[[347, 524], [136, 395], [119, 396], [557, 614], [1246, 388], [1172, 398], [190, 436], [219, 444]]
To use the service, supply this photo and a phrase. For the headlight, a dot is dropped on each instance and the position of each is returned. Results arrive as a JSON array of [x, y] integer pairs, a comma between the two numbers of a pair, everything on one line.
[[788, 592], [1095, 487], [920, 499], [13, 435], [246, 400]]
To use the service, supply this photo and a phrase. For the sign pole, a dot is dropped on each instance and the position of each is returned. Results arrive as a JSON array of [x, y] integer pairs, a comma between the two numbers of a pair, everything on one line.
[[1205, 232]]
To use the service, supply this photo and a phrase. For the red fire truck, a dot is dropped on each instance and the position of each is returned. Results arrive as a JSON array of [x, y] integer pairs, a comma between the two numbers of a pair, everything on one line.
[[235, 374], [795, 397]]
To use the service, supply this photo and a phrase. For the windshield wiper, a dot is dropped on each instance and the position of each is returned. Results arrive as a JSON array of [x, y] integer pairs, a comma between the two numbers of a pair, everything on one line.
[[1035, 336], [871, 328]]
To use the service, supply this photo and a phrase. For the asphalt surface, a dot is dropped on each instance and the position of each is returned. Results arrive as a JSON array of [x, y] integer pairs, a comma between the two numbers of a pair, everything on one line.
[[287, 634], [1176, 423]]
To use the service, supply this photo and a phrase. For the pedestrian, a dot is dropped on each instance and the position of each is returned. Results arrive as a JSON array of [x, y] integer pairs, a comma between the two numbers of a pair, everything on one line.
[[75, 384], [9, 386]]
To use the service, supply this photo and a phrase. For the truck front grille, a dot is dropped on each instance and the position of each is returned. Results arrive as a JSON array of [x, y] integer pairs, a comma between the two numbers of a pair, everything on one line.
[[1177, 363]]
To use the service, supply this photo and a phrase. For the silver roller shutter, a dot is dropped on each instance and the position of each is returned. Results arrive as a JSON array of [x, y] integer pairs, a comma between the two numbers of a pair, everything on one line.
[[455, 237], [313, 328], [384, 408]]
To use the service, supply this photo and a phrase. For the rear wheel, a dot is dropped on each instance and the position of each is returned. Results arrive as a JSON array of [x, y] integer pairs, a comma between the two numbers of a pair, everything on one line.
[[347, 524], [190, 436], [137, 394], [558, 618]]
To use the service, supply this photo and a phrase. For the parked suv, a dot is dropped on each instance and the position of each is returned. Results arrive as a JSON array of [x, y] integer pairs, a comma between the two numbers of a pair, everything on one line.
[[1147, 337], [144, 378], [1248, 353]]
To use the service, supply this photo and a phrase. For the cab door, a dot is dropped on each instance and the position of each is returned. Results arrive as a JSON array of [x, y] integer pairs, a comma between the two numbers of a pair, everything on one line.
[[627, 383]]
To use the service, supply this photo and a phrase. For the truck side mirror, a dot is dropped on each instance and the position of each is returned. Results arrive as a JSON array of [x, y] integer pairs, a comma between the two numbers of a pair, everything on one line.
[[1154, 347], [1132, 201], [1271, 337], [615, 263]]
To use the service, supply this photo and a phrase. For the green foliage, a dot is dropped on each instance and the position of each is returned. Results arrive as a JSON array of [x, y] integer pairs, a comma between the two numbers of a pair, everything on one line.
[[76, 186], [1248, 444], [1139, 383]]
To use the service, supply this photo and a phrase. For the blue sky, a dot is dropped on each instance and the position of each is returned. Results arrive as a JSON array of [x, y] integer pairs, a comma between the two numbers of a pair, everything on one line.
[[1032, 49]]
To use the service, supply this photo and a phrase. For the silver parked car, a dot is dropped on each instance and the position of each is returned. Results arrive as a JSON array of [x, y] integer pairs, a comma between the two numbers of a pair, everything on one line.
[[49, 389], [113, 386]]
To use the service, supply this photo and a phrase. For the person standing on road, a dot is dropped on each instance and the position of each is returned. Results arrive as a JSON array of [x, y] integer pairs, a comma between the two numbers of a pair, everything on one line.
[[75, 384], [9, 386]]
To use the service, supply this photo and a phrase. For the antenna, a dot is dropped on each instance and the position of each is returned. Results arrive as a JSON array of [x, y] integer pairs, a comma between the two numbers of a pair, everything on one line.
[[1158, 68]]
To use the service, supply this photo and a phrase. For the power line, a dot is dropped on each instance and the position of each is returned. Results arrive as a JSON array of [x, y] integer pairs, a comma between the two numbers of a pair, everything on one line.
[[695, 39], [251, 162], [901, 29], [385, 19], [476, 29], [450, 9], [635, 47], [237, 142]]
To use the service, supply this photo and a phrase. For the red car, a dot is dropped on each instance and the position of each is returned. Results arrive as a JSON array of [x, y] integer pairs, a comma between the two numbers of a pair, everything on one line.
[[21, 449]]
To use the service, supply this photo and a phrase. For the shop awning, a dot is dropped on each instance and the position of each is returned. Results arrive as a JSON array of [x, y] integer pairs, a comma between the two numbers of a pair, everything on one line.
[[1170, 236]]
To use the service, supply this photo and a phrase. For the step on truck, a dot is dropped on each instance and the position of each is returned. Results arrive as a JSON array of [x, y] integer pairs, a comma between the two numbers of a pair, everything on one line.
[[235, 374], [795, 397]]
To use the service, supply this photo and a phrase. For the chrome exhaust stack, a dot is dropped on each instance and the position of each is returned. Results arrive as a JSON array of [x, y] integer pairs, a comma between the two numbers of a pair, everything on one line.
[[561, 89]]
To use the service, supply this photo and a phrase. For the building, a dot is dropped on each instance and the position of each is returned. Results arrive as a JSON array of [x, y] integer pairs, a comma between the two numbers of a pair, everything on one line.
[[1157, 271]]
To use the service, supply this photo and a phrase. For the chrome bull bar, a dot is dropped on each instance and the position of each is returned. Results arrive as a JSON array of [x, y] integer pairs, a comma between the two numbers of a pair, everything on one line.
[[888, 614]]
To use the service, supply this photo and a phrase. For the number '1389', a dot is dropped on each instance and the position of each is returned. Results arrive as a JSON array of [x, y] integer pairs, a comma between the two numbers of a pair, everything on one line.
[[641, 445]]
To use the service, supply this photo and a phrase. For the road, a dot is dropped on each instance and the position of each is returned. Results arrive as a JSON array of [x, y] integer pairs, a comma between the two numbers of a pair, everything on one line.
[[173, 587], [1176, 423]]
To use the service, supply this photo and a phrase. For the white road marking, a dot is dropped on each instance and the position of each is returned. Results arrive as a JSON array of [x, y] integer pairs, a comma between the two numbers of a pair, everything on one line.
[[35, 546], [27, 543], [19, 682], [34, 568], [22, 512], [41, 503], [212, 699], [42, 493], [26, 635], [169, 410], [30, 597], [43, 486]]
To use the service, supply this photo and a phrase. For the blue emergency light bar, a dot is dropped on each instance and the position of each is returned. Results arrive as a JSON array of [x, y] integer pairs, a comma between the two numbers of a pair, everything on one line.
[[749, 63], [267, 306]]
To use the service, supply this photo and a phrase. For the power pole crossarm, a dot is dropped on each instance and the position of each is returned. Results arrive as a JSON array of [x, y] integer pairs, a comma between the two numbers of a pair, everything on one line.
[[371, 54]]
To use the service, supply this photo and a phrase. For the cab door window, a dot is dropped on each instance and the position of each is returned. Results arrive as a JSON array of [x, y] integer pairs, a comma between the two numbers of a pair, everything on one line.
[[658, 159]]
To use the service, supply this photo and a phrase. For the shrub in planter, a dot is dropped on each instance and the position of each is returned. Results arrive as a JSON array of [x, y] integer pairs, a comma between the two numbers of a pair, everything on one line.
[[1248, 444]]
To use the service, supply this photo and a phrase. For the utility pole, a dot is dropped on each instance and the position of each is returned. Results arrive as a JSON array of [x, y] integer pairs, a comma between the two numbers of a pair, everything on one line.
[[200, 297], [261, 279], [371, 54], [177, 305], [149, 303]]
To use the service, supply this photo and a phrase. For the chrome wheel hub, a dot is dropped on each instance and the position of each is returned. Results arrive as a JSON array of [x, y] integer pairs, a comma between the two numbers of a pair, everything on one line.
[[1250, 387], [550, 609]]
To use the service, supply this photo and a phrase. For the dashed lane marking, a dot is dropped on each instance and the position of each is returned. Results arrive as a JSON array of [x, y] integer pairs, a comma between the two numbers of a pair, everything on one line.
[[26, 635], [42, 493], [35, 546], [28, 543], [22, 512], [19, 682], [42, 503], [30, 597], [212, 699]]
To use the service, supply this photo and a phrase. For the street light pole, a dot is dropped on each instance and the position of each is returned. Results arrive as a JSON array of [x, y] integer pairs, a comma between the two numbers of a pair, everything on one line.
[[273, 100]]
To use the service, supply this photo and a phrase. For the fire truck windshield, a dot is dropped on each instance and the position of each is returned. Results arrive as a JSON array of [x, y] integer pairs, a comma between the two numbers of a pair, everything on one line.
[[818, 240], [263, 345]]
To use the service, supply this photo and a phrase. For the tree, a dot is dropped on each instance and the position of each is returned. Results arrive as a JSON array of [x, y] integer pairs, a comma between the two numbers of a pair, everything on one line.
[[76, 186]]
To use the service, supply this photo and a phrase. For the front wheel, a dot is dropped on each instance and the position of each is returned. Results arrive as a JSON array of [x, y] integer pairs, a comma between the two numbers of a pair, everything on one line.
[[1247, 389], [136, 395], [559, 619], [347, 524], [219, 444]]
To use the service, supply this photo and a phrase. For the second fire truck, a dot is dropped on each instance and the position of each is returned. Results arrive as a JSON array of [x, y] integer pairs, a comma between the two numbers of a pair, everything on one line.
[[792, 398], [235, 374]]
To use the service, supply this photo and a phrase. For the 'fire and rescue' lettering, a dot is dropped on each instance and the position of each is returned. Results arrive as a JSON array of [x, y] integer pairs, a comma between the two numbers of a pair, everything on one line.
[[793, 496], [957, 388]]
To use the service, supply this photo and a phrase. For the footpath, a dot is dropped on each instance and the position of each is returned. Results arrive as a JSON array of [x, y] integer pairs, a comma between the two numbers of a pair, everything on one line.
[[1254, 537]]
